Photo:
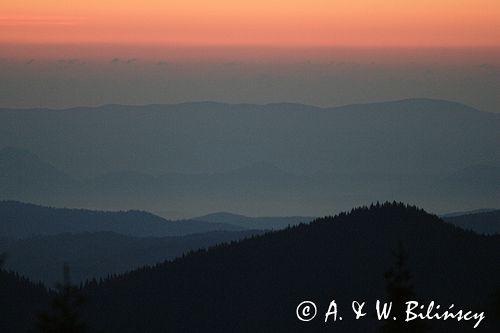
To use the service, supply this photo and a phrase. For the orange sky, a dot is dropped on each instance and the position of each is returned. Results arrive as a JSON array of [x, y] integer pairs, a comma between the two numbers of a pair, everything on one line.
[[290, 23]]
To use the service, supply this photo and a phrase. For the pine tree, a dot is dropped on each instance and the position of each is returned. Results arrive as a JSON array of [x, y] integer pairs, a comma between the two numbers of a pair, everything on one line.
[[399, 290], [63, 317]]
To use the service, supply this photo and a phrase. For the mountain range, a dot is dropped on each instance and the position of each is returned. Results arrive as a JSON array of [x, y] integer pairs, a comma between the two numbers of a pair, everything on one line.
[[95, 244], [260, 281], [258, 223], [278, 159], [257, 283], [39, 240], [22, 220], [483, 222], [98, 255]]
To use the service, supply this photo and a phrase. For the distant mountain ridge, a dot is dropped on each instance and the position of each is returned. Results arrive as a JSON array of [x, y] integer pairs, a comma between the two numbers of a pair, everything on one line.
[[24, 173], [467, 212], [483, 222], [260, 223], [418, 102], [98, 255], [343, 258], [22, 220], [202, 157]]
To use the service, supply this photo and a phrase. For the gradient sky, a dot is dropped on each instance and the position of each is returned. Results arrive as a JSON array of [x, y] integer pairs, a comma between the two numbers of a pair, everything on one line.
[[56, 52], [354, 23]]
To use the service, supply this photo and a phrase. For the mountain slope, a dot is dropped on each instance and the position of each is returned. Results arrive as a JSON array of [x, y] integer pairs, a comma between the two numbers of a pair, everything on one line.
[[260, 223], [100, 254], [467, 212], [21, 301], [255, 285], [482, 222], [21, 220]]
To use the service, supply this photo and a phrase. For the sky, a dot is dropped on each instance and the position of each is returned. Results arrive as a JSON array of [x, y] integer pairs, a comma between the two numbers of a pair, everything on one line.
[[354, 23], [56, 53]]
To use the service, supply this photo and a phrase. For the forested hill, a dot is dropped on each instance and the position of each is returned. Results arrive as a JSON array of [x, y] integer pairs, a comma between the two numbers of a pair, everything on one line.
[[20, 302], [99, 254], [255, 285], [22, 220]]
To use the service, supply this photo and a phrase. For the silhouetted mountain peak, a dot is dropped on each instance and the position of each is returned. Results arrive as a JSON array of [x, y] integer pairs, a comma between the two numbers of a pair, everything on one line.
[[343, 257]]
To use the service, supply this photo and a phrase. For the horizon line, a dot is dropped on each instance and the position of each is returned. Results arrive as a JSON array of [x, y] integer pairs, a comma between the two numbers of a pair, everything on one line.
[[408, 99]]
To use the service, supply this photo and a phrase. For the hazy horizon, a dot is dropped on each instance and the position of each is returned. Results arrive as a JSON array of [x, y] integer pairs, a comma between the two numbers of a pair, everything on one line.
[[197, 158], [323, 53], [326, 80]]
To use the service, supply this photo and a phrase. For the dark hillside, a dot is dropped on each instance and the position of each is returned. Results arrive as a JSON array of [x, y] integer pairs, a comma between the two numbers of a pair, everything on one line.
[[255, 285]]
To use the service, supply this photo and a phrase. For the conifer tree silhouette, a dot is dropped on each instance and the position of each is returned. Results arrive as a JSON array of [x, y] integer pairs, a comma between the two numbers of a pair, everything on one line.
[[63, 317], [399, 290]]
